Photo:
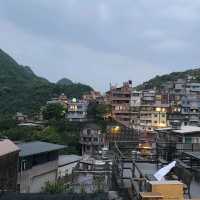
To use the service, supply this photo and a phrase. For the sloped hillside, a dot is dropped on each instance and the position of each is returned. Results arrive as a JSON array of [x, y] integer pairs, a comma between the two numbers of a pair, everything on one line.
[[159, 81], [22, 90]]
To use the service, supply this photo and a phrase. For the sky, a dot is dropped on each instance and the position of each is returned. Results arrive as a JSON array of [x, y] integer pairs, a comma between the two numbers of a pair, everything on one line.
[[98, 42]]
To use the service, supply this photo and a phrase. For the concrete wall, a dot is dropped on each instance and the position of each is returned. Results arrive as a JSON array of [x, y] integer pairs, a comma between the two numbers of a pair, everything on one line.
[[66, 170], [38, 182], [34, 179]]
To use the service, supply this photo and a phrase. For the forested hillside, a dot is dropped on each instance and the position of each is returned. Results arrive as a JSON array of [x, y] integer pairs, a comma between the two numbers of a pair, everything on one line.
[[21, 90]]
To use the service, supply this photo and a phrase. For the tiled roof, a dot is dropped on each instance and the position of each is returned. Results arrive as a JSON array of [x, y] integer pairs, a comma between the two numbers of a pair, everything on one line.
[[7, 146]]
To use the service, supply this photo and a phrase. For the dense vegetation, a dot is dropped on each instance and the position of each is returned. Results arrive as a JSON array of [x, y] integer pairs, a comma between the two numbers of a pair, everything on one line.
[[159, 81], [64, 81], [55, 131], [98, 114], [21, 90]]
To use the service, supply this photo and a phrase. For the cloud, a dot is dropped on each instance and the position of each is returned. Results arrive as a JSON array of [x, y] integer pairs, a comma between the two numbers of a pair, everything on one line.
[[96, 42]]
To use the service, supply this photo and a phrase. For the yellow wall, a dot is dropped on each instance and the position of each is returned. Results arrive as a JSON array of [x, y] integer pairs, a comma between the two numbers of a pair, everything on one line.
[[168, 189]]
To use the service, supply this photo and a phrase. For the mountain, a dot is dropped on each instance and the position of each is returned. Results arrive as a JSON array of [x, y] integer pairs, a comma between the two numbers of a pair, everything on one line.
[[64, 81], [23, 91], [159, 81]]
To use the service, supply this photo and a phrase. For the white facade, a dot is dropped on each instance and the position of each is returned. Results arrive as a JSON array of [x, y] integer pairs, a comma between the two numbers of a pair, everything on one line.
[[34, 179], [66, 164], [136, 97], [77, 110]]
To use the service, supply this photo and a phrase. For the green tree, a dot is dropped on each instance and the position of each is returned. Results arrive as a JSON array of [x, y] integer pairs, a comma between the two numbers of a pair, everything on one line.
[[54, 188], [98, 111], [7, 122], [54, 111]]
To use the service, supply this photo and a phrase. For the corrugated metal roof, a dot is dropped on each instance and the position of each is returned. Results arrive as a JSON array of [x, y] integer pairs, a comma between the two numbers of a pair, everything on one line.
[[67, 159], [7, 146], [37, 147]]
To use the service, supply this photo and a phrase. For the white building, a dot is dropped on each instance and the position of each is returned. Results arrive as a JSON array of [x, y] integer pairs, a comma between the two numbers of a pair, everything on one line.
[[66, 163], [77, 110]]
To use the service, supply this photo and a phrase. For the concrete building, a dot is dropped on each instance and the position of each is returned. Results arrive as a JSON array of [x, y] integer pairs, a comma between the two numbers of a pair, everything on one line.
[[135, 103], [91, 139], [92, 96], [159, 116], [120, 98], [190, 109], [172, 142], [150, 117], [148, 97], [92, 176], [77, 110], [9, 153], [66, 164], [145, 117], [21, 118], [38, 164]]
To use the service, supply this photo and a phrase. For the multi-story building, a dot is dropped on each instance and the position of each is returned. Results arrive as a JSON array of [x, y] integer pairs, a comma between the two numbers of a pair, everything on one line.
[[9, 154], [172, 142], [159, 115], [92, 139], [149, 109], [145, 117], [77, 110], [148, 97], [120, 98], [190, 109], [135, 103], [38, 164], [186, 112], [92, 96]]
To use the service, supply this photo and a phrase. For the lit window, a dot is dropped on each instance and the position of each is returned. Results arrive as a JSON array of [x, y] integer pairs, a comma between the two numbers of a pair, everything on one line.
[[158, 109]]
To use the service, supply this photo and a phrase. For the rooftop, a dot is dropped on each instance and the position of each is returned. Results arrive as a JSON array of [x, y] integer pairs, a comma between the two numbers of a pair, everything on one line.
[[7, 146], [67, 159], [37, 147], [187, 129], [194, 154]]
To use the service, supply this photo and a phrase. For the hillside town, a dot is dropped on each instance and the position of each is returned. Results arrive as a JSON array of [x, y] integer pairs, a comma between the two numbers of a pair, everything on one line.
[[149, 148]]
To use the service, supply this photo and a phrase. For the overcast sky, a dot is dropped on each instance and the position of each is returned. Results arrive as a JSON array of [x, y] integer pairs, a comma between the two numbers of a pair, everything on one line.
[[101, 41]]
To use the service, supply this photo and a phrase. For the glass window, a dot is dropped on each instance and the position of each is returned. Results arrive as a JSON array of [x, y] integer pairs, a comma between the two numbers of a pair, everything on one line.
[[188, 140], [88, 131]]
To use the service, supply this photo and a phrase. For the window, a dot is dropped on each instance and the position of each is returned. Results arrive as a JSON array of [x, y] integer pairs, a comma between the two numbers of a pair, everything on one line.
[[88, 131], [188, 140], [155, 122], [185, 123], [155, 115]]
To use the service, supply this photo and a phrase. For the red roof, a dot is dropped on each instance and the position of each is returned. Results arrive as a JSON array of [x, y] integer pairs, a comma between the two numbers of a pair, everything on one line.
[[7, 146]]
